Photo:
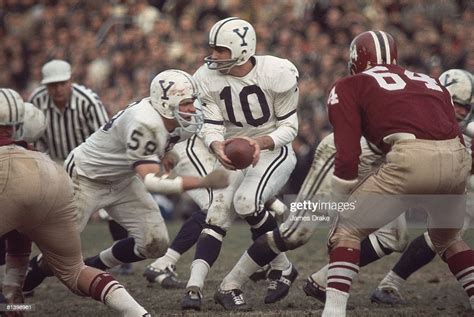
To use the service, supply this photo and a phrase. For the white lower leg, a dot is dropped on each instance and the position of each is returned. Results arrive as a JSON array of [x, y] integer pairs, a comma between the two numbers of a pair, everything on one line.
[[199, 271], [239, 273]]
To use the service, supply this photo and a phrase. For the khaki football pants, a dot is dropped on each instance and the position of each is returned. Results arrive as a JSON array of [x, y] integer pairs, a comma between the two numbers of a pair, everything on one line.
[[422, 172], [36, 199]]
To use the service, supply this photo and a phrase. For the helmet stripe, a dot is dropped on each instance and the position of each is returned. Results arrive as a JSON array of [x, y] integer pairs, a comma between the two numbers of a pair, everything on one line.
[[383, 48], [377, 47], [387, 47], [3, 91], [17, 115], [220, 26]]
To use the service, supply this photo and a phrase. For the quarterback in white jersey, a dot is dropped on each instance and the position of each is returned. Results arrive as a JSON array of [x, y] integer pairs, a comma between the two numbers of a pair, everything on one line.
[[117, 165], [254, 97]]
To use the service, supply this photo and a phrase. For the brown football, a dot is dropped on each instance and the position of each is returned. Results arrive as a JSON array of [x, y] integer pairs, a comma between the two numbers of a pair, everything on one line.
[[240, 152]]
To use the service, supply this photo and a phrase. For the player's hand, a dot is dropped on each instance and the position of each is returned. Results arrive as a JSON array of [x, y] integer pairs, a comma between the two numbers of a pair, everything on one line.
[[169, 161], [256, 152], [218, 148], [216, 180]]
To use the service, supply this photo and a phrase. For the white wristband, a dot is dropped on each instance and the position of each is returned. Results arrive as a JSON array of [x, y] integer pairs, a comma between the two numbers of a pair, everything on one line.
[[163, 184]]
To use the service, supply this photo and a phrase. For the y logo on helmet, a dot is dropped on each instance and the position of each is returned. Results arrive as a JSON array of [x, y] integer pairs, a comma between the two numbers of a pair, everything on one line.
[[448, 83], [242, 36], [165, 89]]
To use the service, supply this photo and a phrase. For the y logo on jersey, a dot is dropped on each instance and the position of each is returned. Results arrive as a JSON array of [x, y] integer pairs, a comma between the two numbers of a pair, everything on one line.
[[165, 89], [242, 36]]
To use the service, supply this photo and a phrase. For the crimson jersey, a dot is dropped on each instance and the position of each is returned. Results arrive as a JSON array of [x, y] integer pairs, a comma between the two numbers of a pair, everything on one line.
[[383, 100]]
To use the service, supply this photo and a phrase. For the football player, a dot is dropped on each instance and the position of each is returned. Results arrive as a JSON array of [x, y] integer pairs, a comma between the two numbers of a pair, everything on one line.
[[408, 139], [254, 97], [194, 159], [421, 250], [37, 200], [117, 167]]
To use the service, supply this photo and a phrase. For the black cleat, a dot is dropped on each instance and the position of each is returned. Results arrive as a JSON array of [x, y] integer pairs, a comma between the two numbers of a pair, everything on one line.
[[34, 276], [231, 300], [192, 299], [313, 289], [260, 274], [388, 296], [279, 285], [167, 278]]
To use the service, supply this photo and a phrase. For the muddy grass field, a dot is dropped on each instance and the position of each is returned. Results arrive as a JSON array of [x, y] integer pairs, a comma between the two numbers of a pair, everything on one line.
[[430, 292]]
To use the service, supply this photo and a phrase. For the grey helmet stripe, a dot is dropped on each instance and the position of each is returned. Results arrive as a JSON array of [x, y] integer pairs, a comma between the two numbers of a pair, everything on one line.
[[3, 91]]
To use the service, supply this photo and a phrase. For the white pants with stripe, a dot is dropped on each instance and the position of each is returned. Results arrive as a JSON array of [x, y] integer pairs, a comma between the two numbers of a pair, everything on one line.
[[250, 188], [195, 160]]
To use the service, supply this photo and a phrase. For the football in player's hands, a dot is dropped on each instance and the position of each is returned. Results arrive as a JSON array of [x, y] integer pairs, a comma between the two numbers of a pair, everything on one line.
[[240, 152]]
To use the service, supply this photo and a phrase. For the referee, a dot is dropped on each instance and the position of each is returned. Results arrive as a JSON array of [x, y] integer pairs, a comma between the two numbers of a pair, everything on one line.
[[73, 112]]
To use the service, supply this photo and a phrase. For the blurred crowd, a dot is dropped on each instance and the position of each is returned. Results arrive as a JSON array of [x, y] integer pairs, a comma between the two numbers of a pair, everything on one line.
[[116, 47]]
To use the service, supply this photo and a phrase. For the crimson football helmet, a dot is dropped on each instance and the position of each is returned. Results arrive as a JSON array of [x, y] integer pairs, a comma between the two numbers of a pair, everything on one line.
[[370, 48]]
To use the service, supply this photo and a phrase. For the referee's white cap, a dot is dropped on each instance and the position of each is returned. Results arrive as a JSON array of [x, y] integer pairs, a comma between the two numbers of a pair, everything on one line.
[[55, 71]]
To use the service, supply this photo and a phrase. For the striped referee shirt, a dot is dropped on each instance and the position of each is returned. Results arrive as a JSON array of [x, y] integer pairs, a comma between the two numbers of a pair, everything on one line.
[[82, 116]]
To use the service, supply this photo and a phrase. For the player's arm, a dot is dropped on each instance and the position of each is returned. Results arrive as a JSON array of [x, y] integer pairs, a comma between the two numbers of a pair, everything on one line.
[[142, 147], [212, 132], [285, 103], [346, 121]]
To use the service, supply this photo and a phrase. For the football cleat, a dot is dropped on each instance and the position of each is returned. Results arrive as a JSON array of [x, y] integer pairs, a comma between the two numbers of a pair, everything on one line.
[[231, 300], [313, 289], [34, 276], [192, 299], [167, 278], [279, 285], [260, 274], [387, 295]]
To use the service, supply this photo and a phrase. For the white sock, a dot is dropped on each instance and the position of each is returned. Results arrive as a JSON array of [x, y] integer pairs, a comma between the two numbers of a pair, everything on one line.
[[392, 280], [15, 270], [108, 258], [471, 301], [336, 302], [120, 300], [170, 258], [281, 262], [240, 273], [321, 276], [199, 271]]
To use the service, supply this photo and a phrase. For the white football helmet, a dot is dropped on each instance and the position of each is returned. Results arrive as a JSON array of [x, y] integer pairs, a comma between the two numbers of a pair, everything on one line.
[[12, 109], [460, 84], [170, 88], [34, 124], [238, 36]]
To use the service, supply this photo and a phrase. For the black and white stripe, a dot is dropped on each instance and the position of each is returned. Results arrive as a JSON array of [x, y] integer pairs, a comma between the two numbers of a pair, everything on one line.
[[382, 47], [314, 188], [271, 169], [66, 130], [15, 114], [194, 158], [215, 30], [70, 165]]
